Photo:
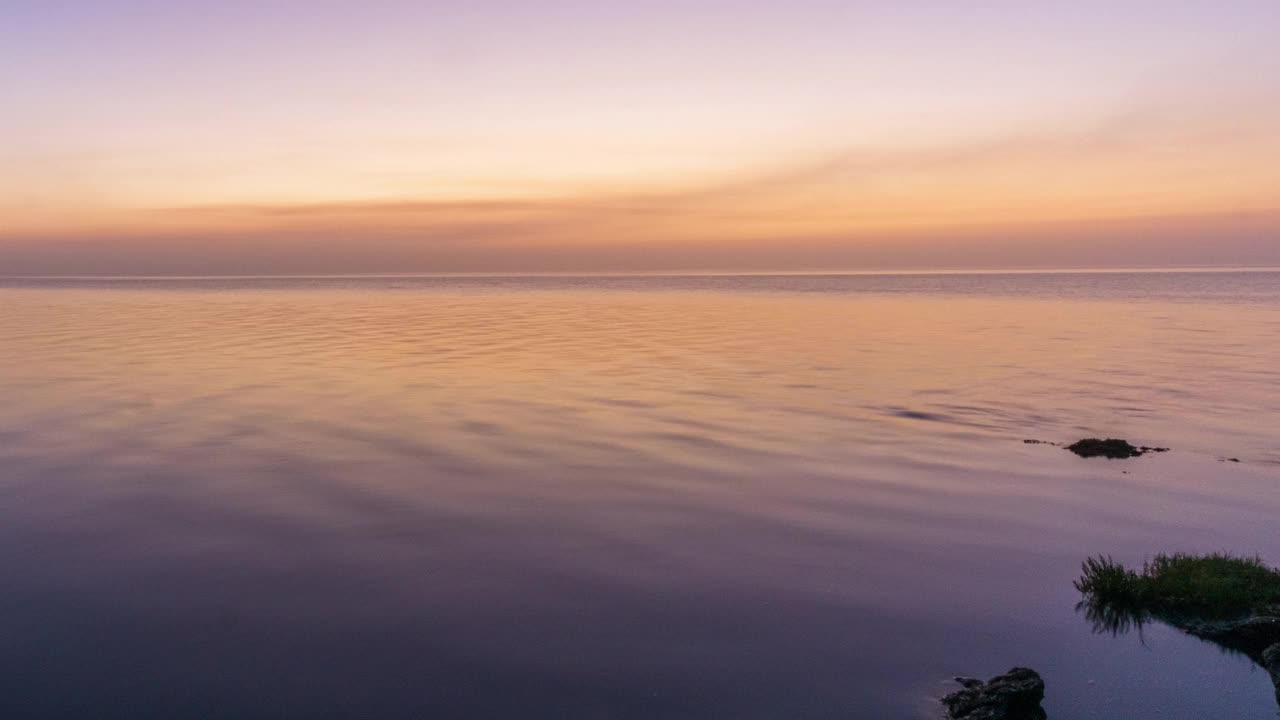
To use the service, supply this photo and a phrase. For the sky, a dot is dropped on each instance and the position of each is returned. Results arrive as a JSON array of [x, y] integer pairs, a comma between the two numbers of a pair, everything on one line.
[[274, 137]]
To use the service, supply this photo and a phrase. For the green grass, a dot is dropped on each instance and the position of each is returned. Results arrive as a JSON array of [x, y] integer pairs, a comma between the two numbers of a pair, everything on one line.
[[1216, 585]]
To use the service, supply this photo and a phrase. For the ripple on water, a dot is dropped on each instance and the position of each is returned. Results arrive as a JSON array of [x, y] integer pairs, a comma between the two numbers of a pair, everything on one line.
[[632, 497]]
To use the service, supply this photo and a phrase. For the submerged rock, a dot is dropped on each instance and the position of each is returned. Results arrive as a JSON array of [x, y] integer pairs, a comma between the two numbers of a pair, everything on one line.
[[1111, 448], [1271, 661], [1016, 695], [1254, 635], [1257, 637]]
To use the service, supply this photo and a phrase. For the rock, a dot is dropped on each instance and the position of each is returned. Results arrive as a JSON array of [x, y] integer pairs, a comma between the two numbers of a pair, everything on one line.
[[1253, 635], [1271, 658], [1016, 695], [1271, 661], [1256, 636], [1111, 448]]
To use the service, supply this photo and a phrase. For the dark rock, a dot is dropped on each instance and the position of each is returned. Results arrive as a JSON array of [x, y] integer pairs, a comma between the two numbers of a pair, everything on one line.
[[1016, 695], [1252, 635], [1256, 636], [1271, 661], [1111, 448]]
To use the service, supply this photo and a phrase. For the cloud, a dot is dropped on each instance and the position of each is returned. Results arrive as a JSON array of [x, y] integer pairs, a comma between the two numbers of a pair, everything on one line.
[[1154, 183]]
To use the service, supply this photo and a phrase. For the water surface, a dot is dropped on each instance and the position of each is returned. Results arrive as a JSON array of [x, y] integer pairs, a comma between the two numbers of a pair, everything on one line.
[[617, 497]]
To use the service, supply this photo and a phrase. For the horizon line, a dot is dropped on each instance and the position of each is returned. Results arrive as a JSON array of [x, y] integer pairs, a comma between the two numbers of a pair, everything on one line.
[[1074, 270]]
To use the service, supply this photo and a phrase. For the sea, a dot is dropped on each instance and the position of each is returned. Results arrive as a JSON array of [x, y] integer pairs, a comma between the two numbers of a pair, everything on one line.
[[620, 496]]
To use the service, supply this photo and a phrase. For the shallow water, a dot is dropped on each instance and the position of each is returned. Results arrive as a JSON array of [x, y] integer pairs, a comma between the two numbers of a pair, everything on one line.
[[618, 497]]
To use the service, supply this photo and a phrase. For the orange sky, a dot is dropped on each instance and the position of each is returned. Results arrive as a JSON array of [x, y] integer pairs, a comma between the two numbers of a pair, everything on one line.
[[414, 137]]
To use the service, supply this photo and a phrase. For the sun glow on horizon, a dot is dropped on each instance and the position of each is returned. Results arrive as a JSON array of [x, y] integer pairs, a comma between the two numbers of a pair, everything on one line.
[[442, 136]]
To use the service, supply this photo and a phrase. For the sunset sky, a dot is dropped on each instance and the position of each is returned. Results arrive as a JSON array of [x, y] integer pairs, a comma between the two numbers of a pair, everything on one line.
[[240, 137]]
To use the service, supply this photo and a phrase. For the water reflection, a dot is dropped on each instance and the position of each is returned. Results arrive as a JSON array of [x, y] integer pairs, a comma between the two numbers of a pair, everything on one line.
[[1253, 634], [606, 498], [1113, 620]]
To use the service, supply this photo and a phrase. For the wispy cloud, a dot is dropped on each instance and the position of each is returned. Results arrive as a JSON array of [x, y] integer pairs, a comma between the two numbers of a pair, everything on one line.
[[1165, 168]]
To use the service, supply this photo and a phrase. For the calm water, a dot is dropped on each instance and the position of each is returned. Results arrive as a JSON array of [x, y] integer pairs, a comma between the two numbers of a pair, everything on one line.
[[689, 497]]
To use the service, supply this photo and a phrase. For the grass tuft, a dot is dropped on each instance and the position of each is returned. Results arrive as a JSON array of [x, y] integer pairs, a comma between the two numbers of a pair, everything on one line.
[[1102, 577], [1216, 585]]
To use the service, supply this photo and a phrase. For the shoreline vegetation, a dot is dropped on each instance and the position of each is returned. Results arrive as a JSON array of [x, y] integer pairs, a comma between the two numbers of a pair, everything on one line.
[[1228, 600], [1216, 585]]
